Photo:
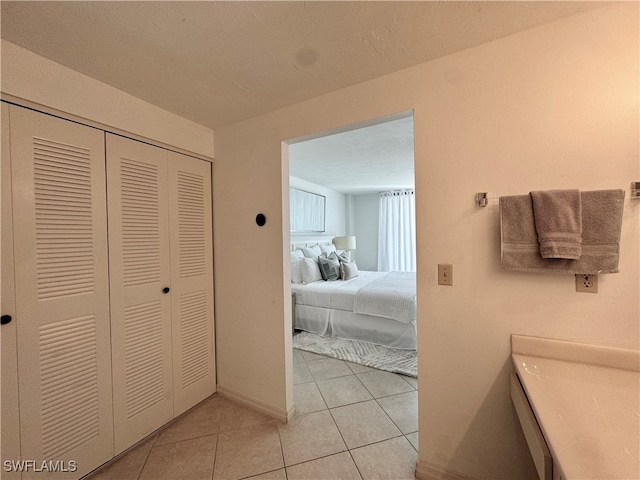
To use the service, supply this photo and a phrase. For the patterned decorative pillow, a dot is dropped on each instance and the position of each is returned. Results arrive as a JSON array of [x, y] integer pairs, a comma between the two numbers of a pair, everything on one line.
[[327, 248], [329, 269], [342, 257], [348, 270]]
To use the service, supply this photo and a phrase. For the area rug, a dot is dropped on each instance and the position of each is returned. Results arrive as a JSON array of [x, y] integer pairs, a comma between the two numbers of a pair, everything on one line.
[[393, 360]]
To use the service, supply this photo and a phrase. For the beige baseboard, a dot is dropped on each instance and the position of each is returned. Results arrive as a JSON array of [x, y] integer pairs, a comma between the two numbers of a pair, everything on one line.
[[262, 407], [291, 412], [430, 471]]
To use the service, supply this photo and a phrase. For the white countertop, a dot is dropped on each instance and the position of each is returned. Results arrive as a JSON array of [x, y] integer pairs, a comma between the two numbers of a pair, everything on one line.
[[587, 403]]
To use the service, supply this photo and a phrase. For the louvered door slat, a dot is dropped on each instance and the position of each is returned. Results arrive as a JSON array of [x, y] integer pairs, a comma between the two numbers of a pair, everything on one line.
[[192, 280], [140, 312], [60, 433], [53, 211], [194, 333], [64, 355]]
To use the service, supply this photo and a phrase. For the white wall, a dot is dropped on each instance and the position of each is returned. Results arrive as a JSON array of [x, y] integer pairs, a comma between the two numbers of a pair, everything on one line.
[[366, 209], [335, 215], [552, 107], [28, 76]]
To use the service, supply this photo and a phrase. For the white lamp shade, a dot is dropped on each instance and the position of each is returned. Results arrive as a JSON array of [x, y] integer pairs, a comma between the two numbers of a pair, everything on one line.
[[345, 243]]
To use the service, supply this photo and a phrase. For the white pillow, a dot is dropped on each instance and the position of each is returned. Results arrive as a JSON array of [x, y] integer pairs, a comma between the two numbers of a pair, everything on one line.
[[327, 248], [296, 255], [296, 270], [310, 270], [312, 252]]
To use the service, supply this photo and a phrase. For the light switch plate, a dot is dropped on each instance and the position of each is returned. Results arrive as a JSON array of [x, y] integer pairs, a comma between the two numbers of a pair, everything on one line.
[[445, 274]]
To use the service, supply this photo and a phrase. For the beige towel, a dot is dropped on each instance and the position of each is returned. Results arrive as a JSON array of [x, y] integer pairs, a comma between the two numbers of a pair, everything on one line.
[[558, 218], [601, 226]]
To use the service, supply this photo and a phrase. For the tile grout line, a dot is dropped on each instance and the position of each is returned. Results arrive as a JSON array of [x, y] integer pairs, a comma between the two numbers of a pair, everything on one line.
[[354, 403], [336, 425], [401, 433], [215, 455], [216, 435], [342, 437], [284, 463], [146, 459], [373, 397]]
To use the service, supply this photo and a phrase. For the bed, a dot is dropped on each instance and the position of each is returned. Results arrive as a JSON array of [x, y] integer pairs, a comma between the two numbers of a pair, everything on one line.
[[375, 307]]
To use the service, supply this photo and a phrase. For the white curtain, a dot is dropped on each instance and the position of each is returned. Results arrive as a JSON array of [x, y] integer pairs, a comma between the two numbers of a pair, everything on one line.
[[397, 232]]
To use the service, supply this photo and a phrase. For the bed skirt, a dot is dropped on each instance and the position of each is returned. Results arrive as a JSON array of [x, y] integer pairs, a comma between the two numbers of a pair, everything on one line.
[[355, 326]]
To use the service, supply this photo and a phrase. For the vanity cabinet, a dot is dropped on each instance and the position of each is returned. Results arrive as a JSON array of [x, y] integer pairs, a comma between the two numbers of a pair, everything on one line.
[[547, 469], [579, 402], [535, 440], [107, 275]]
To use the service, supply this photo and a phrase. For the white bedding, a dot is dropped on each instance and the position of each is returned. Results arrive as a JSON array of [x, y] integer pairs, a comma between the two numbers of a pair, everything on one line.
[[338, 294], [382, 294], [391, 296], [334, 308]]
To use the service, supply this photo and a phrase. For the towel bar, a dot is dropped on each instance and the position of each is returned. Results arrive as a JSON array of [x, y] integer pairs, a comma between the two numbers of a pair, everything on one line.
[[482, 198]]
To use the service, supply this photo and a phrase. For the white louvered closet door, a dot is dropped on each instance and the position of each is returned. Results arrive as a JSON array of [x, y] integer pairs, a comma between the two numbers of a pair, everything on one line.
[[62, 292], [191, 280], [139, 271], [10, 420]]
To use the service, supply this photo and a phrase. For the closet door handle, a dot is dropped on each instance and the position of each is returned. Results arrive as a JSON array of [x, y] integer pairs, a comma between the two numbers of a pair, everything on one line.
[[166, 290], [4, 319]]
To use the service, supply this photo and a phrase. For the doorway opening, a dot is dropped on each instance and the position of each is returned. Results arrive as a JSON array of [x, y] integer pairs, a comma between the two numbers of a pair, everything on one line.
[[346, 172]]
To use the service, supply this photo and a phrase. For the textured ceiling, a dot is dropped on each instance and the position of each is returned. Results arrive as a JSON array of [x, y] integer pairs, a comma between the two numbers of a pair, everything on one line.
[[360, 161], [219, 62]]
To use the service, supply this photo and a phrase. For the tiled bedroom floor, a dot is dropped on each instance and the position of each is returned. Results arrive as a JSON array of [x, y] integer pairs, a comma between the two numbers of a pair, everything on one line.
[[352, 422]]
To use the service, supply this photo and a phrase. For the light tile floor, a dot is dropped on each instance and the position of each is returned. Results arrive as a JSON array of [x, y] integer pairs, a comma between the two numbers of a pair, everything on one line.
[[352, 422]]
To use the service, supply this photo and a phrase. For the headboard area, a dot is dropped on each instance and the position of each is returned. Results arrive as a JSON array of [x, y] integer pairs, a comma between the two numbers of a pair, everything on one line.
[[310, 242]]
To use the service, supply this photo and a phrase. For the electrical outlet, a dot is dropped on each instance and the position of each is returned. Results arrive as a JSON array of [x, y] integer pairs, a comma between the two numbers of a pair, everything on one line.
[[586, 283], [445, 274]]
